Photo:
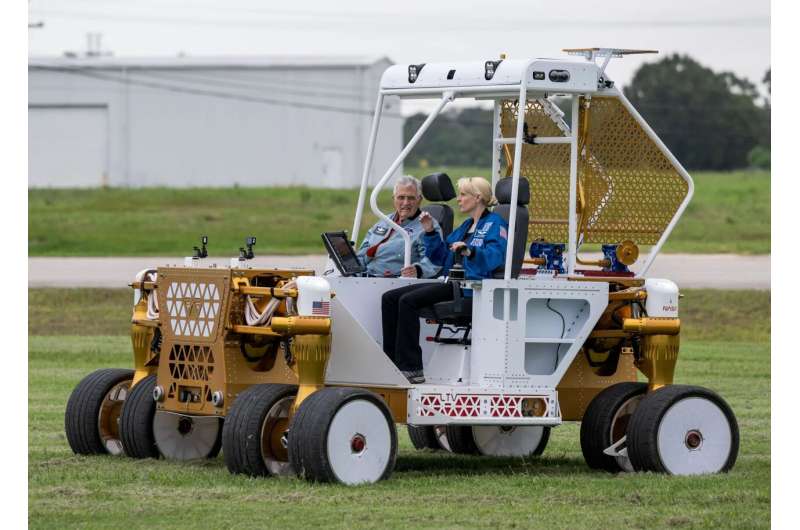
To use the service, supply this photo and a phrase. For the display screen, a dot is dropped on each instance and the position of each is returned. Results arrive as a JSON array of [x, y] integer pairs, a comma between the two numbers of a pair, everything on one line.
[[342, 253]]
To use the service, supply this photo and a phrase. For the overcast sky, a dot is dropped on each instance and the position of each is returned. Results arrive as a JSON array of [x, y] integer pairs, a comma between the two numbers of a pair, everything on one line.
[[724, 35]]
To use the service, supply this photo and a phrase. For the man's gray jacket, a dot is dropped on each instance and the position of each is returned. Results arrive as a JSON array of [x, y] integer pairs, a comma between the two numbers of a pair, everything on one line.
[[389, 255]]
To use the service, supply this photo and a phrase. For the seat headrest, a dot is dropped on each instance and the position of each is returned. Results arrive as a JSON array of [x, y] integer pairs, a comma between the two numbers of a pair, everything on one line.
[[437, 187], [503, 191]]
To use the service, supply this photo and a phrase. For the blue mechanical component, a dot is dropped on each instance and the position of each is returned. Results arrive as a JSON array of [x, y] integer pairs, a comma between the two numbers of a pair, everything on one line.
[[553, 254], [610, 253]]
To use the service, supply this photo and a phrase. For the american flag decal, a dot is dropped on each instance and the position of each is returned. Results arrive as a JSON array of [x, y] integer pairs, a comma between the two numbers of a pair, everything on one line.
[[321, 308], [503, 233]]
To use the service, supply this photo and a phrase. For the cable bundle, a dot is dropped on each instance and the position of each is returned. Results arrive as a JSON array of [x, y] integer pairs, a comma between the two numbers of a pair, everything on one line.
[[254, 318]]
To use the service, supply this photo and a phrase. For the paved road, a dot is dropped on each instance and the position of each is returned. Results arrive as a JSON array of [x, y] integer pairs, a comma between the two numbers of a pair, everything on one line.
[[717, 271]]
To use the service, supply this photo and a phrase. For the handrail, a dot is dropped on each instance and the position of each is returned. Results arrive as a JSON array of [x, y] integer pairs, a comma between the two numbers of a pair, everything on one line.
[[373, 200], [373, 134]]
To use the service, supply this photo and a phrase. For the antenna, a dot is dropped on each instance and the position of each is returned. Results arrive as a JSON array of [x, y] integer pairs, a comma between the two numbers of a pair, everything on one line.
[[593, 53]]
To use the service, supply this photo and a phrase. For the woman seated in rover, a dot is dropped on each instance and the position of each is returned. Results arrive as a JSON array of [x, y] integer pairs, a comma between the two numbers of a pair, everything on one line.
[[481, 240]]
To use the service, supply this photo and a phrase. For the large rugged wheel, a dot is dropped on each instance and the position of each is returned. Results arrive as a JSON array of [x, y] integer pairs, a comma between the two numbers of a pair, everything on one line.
[[605, 423], [460, 440], [182, 437], [423, 437], [136, 420], [344, 435], [91, 420], [253, 431], [683, 430], [501, 440]]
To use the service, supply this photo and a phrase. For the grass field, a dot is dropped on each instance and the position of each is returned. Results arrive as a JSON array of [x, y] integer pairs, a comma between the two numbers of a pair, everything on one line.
[[730, 213], [725, 346]]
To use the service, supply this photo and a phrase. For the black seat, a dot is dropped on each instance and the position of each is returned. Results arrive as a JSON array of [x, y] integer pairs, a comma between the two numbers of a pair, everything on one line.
[[458, 312], [503, 193], [438, 188]]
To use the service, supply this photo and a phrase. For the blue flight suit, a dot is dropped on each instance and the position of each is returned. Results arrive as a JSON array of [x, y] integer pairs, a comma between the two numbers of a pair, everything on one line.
[[487, 243]]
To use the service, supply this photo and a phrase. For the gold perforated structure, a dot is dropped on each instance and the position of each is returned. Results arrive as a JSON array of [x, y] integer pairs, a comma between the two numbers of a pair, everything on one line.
[[631, 190], [547, 169], [628, 189]]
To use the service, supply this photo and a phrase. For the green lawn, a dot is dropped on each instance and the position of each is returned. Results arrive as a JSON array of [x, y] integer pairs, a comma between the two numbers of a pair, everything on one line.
[[725, 346], [730, 213]]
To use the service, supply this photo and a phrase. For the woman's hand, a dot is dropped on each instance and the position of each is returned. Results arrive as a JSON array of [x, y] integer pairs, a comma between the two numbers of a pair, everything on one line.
[[458, 245], [427, 221]]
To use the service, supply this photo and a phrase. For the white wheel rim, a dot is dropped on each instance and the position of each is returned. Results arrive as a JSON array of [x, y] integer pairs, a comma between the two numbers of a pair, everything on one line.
[[359, 442], [694, 437], [623, 414], [441, 436], [495, 440], [181, 437], [278, 411]]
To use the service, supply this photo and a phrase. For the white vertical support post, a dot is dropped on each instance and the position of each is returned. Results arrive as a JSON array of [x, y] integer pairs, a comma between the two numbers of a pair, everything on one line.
[[573, 185], [362, 194], [447, 97], [512, 218], [497, 148]]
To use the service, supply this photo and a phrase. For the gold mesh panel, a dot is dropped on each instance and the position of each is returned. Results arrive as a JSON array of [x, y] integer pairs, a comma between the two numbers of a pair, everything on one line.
[[628, 187], [547, 169], [191, 362], [632, 190]]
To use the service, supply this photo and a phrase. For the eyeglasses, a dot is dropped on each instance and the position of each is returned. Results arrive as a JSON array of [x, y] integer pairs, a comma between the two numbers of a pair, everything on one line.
[[406, 198]]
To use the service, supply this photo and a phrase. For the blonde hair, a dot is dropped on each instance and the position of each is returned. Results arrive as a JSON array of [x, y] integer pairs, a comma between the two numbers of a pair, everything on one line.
[[478, 187]]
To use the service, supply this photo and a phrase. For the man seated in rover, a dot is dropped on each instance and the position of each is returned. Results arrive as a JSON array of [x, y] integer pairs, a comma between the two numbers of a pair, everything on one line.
[[383, 247], [481, 240]]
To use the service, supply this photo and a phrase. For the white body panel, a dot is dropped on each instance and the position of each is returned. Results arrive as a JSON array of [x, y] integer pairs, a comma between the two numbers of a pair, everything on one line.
[[313, 296], [519, 349], [662, 298], [521, 345], [470, 76]]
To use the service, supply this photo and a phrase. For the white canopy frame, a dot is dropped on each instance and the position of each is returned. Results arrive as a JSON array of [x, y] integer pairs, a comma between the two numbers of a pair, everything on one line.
[[447, 94]]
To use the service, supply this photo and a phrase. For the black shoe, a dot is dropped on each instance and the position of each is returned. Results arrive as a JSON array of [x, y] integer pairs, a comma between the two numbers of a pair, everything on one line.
[[414, 377]]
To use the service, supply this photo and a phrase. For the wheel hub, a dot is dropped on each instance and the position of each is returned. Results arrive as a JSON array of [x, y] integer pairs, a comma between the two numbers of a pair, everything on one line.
[[693, 440], [185, 425], [358, 443]]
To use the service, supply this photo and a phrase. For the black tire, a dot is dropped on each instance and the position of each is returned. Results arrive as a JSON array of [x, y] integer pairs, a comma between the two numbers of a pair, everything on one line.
[[460, 439], [643, 430], [423, 437], [81, 418], [310, 426], [137, 416], [241, 432], [543, 442], [596, 425]]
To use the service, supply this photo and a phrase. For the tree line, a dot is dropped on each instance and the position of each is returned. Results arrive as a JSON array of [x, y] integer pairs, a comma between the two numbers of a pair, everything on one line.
[[709, 120]]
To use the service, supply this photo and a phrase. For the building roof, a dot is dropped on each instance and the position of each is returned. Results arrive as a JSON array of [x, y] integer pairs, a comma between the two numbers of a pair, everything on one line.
[[209, 62]]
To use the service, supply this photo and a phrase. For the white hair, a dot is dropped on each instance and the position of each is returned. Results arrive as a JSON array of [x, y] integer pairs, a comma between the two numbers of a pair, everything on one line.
[[408, 180]]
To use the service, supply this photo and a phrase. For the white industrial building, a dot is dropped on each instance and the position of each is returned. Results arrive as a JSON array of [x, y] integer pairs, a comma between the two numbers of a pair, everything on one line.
[[200, 121]]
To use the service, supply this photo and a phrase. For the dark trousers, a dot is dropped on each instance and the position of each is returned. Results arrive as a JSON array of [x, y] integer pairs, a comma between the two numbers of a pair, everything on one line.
[[400, 314]]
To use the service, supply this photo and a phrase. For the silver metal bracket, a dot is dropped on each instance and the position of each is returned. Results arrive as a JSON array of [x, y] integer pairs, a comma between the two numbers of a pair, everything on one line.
[[615, 451]]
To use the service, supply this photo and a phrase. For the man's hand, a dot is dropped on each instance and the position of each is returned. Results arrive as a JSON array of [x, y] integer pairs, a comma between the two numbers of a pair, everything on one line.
[[409, 272], [426, 221]]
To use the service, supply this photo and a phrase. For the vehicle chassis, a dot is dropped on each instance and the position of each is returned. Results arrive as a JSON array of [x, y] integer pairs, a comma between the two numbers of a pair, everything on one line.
[[545, 347]]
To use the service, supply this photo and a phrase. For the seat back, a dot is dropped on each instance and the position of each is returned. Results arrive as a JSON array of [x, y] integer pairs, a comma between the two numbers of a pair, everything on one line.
[[504, 209], [438, 188]]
